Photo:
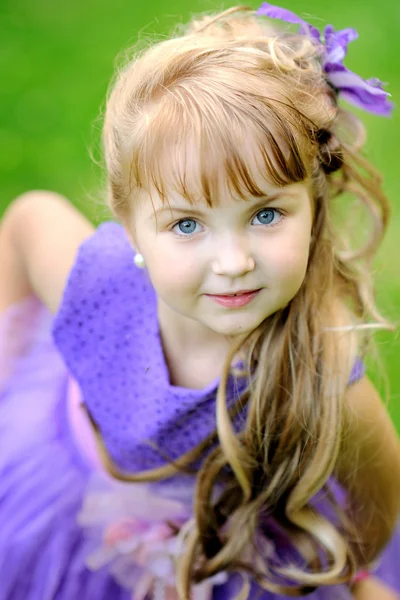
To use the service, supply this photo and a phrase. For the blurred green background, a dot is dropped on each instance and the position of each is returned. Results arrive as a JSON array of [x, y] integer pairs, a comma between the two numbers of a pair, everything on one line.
[[56, 59]]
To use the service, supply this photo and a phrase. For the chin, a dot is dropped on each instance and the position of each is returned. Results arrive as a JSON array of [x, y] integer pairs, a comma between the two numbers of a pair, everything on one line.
[[233, 329]]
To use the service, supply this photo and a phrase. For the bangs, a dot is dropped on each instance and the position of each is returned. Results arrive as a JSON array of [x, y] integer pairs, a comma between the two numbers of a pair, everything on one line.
[[197, 153]]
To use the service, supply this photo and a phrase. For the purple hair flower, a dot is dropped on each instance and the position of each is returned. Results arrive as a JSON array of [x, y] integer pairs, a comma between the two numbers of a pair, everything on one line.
[[275, 12], [365, 93]]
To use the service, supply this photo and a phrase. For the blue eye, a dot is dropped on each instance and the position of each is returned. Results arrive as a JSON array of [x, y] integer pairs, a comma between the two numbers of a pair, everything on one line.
[[268, 216], [186, 227]]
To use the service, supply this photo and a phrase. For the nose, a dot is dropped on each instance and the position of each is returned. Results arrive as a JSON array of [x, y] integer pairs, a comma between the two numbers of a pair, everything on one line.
[[232, 257]]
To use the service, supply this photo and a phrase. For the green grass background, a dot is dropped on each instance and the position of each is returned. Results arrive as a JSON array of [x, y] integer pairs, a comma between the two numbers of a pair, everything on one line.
[[56, 59]]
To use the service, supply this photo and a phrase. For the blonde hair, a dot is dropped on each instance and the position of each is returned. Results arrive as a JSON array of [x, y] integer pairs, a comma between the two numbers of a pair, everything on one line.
[[226, 80]]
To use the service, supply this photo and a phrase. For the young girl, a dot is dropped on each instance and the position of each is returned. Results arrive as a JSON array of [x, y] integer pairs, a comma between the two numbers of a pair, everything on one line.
[[184, 410]]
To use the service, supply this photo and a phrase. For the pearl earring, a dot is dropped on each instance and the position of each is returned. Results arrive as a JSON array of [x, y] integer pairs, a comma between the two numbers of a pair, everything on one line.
[[139, 261]]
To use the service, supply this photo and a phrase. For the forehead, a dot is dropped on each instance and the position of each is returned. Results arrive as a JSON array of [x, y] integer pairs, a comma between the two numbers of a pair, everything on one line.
[[211, 160]]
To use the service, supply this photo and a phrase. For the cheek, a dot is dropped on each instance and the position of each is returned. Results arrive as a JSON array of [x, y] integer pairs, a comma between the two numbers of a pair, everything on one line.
[[172, 274], [291, 259], [295, 248]]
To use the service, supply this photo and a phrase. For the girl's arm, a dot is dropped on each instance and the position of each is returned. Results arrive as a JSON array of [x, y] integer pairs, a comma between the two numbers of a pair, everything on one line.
[[40, 234], [369, 468]]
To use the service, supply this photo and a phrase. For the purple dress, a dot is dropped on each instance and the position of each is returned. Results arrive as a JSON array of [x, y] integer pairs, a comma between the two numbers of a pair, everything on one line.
[[68, 530]]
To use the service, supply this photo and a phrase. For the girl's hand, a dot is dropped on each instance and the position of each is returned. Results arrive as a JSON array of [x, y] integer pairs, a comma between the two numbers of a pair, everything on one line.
[[372, 588]]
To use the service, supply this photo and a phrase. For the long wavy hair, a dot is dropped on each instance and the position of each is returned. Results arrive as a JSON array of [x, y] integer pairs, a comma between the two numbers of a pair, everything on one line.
[[227, 82]]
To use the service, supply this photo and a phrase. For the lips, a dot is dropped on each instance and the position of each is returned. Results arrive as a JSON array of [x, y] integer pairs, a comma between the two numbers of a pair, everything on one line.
[[238, 293], [236, 300]]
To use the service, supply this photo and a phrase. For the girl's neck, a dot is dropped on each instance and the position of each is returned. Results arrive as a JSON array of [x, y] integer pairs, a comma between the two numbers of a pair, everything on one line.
[[194, 354]]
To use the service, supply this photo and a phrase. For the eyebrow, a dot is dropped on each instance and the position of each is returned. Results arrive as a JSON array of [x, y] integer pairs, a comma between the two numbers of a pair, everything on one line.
[[264, 201]]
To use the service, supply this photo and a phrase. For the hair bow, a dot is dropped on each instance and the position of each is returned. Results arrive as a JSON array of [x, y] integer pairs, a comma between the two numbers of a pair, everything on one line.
[[364, 93]]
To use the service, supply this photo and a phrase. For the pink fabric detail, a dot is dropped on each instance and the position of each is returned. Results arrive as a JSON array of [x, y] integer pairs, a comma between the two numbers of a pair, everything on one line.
[[81, 427], [360, 576], [133, 528]]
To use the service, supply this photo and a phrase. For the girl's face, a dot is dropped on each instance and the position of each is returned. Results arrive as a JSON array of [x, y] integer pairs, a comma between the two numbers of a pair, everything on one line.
[[196, 255]]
